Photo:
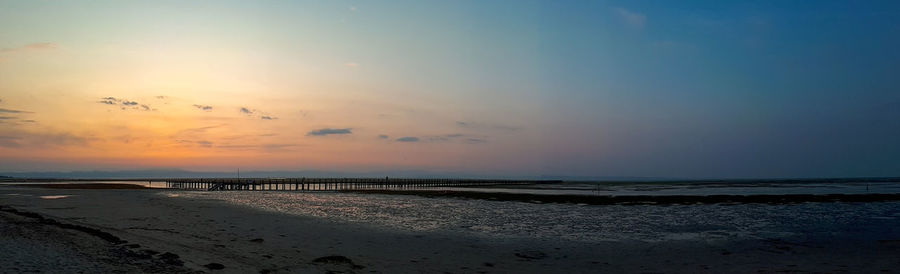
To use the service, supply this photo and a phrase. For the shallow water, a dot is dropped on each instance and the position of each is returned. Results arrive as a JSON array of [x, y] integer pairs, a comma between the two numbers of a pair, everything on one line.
[[665, 189], [808, 221]]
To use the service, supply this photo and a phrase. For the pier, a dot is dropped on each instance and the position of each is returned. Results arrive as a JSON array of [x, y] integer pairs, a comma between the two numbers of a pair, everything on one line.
[[333, 184]]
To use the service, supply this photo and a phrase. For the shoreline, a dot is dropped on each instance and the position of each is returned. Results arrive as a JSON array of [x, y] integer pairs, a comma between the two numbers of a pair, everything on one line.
[[239, 239], [556, 198], [82, 186]]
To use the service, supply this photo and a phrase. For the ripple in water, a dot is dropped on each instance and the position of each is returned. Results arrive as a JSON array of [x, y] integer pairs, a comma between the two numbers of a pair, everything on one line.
[[575, 222]]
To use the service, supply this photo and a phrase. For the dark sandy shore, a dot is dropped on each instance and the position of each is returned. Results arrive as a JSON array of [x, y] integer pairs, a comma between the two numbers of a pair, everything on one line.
[[83, 186], [154, 231], [32, 243]]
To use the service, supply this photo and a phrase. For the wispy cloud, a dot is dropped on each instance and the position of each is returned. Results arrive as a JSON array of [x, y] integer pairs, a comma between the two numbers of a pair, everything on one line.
[[201, 143], [352, 65], [382, 136], [203, 107], [474, 141], [124, 104], [408, 139], [485, 126], [40, 140], [445, 138], [256, 113], [330, 131], [31, 47], [3, 110], [199, 129], [264, 147], [634, 19], [12, 117]]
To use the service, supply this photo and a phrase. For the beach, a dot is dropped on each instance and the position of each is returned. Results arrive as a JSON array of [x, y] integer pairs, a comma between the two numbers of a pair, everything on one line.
[[68, 230]]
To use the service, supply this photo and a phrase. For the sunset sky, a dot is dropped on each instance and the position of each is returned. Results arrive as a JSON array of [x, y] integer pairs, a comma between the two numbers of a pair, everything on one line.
[[582, 88]]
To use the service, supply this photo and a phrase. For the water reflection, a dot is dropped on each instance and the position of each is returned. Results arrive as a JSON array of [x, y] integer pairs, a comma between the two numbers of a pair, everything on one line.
[[53, 197], [567, 221]]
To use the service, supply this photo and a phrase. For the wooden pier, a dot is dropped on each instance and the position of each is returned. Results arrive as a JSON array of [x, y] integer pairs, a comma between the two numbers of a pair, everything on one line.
[[333, 184]]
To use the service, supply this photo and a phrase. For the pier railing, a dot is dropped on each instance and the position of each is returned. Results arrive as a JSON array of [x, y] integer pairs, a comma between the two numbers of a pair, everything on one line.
[[333, 184]]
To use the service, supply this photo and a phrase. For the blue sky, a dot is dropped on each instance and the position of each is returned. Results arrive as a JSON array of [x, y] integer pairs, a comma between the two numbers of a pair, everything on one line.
[[586, 88]]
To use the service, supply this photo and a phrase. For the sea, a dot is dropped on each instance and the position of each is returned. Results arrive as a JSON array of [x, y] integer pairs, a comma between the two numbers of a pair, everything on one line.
[[800, 222]]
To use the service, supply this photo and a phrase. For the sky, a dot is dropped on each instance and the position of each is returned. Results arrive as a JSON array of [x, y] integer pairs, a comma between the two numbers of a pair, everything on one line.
[[674, 89]]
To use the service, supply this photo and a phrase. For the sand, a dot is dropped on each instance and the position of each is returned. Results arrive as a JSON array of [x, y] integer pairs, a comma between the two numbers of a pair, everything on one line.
[[212, 236], [83, 186]]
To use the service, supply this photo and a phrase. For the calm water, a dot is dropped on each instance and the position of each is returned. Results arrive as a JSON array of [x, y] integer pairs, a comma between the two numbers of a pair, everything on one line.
[[585, 223], [724, 188]]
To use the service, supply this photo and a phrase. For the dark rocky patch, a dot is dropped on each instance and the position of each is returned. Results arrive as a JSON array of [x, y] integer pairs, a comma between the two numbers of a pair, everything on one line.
[[531, 255], [214, 266], [170, 258], [88, 230], [336, 259]]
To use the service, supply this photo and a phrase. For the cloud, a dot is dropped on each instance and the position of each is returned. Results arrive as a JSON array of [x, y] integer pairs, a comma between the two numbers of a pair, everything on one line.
[[631, 18], [12, 117], [41, 46], [483, 126], [40, 140], [382, 136], [3, 110], [203, 107], [32, 47], [474, 141], [352, 65], [9, 142], [266, 147], [202, 143], [408, 139], [199, 129], [353, 9], [126, 104], [445, 138], [329, 131], [255, 113], [276, 147]]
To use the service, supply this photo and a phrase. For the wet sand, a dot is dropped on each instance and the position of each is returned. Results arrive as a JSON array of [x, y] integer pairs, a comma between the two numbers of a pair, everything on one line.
[[83, 186], [643, 199], [212, 236]]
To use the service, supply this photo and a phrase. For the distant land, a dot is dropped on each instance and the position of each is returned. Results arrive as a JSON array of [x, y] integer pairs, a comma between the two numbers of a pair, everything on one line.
[[181, 173]]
